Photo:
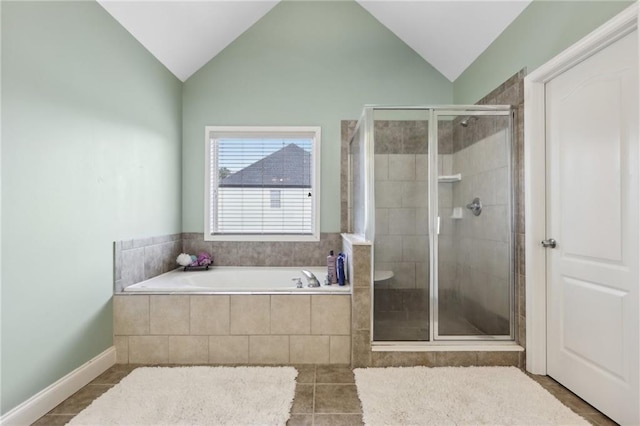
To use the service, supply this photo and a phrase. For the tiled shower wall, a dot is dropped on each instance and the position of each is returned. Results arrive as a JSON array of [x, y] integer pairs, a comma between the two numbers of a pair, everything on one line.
[[511, 92], [481, 243], [473, 251], [402, 240], [401, 228]]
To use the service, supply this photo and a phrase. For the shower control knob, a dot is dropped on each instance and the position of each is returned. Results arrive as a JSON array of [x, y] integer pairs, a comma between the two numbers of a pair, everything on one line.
[[550, 243]]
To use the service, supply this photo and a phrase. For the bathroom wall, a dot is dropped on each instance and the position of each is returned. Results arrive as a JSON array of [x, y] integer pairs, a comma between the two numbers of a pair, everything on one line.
[[91, 129], [543, 29], [304, 63]]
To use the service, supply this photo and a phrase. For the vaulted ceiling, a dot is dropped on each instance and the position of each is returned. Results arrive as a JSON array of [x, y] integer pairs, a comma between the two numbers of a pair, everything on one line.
[[185, 35]]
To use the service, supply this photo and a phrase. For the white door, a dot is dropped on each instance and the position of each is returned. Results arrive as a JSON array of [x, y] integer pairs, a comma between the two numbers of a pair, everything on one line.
[[592, 213]]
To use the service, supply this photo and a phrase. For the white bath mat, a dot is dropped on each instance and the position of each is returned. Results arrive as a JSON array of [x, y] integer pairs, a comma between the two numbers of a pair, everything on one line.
[[457, 396], [196, 396]]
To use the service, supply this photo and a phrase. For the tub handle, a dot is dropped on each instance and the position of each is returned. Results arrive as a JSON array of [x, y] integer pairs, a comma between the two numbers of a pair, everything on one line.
[[298, 282]]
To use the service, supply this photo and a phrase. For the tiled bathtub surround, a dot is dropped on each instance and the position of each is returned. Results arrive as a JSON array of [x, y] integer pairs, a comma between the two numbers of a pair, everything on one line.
[[219, 329], [232, 329], [141, 259], [246, 253]]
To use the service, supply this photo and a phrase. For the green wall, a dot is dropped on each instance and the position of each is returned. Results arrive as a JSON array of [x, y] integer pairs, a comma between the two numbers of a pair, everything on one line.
[[542, 30], [304, 63], [91, 134]]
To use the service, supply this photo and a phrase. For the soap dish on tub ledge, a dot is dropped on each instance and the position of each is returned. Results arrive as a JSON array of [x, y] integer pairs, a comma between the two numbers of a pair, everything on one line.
[[196, 268]]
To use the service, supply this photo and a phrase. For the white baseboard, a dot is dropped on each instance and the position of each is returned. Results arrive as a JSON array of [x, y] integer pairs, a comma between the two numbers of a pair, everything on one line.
[[47, 399]]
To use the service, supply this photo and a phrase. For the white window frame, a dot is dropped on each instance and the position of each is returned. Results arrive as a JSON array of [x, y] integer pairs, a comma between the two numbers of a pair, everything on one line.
[[275, 196], [211, 182]]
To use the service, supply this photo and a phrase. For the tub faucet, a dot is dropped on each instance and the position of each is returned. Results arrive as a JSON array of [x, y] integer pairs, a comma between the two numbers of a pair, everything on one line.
[[312, 281]]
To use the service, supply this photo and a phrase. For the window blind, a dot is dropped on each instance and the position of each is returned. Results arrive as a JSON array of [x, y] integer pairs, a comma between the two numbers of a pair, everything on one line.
[[262, 186]]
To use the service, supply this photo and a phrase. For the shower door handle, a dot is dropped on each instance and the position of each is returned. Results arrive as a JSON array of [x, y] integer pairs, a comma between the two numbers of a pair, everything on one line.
[[550, 243], [438, 226]]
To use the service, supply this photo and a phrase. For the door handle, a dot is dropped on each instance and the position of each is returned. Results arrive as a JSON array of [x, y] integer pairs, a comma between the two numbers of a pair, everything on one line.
[[550, 243]]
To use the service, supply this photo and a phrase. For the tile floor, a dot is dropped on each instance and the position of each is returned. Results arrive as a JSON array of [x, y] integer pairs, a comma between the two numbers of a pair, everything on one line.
[[325, 395]]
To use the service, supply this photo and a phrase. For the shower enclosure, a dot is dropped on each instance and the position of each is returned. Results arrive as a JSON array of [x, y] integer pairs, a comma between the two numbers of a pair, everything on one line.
[[431, 188]]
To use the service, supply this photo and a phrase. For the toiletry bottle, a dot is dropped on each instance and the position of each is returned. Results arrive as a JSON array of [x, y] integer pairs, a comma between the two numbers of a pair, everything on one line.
[[340, 264], [331, 268]]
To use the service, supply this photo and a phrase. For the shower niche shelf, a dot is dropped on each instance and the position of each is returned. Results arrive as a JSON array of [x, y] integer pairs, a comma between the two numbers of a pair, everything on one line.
[[450, 178]]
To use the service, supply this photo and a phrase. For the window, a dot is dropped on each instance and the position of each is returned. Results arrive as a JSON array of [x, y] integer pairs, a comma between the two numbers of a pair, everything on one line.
[[276, 196], [262, 183]]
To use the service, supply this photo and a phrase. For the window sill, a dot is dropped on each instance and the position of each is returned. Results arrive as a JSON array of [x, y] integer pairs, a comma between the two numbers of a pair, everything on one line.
[[265, 238]]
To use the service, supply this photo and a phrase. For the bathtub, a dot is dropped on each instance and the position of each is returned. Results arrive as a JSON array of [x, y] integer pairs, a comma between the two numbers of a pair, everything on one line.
[[237, 280]]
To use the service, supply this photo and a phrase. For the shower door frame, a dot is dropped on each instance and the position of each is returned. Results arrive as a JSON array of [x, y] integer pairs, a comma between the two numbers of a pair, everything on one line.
[[432, 197]]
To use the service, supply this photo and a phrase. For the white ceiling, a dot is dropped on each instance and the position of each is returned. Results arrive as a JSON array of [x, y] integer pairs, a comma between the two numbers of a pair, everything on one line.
[[449, 34], [185, 35]]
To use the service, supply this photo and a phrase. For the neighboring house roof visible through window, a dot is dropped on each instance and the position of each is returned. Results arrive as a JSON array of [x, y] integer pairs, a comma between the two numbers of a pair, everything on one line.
[[289, 167]]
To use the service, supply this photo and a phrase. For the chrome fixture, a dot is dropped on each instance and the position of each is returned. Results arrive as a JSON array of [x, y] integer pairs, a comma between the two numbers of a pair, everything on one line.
[[550, 243], [475, 206], [312, 281], [467, 120], [298, 282]]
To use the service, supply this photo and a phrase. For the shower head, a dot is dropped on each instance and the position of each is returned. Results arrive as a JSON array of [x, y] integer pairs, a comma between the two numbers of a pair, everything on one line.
[[467, 120]]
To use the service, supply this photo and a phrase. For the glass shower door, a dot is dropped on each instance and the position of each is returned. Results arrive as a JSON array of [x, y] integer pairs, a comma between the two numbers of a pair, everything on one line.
[[401, 246], [473, 288]]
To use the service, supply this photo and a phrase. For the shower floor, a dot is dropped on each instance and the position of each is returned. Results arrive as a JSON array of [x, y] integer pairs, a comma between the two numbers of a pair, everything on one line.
[[397, 327]]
